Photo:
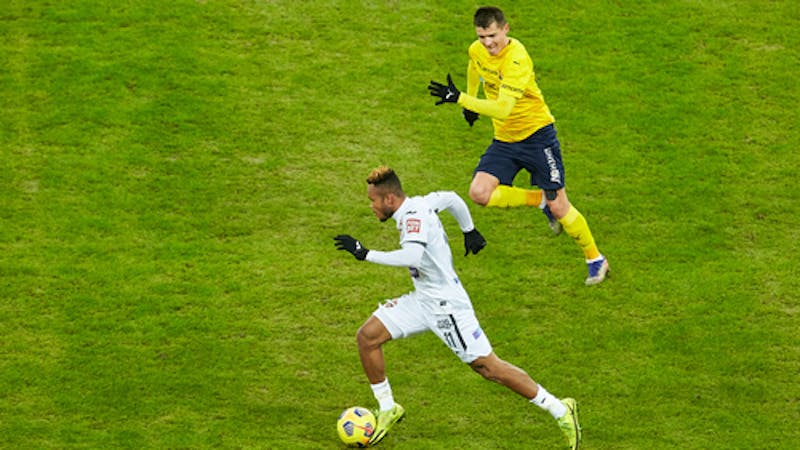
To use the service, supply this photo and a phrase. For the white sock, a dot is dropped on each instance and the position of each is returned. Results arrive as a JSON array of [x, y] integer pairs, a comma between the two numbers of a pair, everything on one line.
[[549, 403], [599, 258], [383, 394]]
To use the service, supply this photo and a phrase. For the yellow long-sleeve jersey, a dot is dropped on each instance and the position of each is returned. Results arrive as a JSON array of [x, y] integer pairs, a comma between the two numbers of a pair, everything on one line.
[[513, 99]]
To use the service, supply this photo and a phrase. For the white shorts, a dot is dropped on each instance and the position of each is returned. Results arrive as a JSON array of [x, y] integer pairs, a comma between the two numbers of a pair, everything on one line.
[[459, 328]]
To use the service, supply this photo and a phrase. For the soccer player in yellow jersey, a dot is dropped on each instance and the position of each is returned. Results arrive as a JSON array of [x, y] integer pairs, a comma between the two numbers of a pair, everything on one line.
[[524, 134]]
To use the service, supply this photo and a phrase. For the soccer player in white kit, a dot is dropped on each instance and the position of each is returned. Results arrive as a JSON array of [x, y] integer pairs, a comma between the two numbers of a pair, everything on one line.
[[438, 302]]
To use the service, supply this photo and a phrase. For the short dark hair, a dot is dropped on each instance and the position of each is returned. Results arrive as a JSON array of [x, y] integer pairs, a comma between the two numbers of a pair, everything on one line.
[[385, 177], [485, 15]]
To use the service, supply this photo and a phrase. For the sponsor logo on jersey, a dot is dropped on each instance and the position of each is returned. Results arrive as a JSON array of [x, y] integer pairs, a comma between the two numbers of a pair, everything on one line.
[[487, 69], [413, 225], [511, 88]]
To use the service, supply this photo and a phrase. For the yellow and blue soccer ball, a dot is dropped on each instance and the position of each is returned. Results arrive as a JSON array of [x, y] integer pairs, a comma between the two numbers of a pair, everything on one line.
[[355, 426]]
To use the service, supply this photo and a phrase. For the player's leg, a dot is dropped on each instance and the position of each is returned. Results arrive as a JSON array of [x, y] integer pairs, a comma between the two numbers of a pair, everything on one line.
[[573, 222], [486, 190], [492, 181], [461, 331], [552, 222], [463, 334], [565, 411], [482, 186], [371, 337], [541, 154], [502, 372], [547, 173], [577, 227], [395, 319], [492, 368]]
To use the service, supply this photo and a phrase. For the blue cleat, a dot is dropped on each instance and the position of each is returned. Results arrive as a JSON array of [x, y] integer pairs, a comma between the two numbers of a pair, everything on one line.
[[597, 271]]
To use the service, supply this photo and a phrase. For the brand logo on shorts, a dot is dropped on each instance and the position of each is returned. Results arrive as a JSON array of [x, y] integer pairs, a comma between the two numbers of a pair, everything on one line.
[[477, 333], [555, 174]]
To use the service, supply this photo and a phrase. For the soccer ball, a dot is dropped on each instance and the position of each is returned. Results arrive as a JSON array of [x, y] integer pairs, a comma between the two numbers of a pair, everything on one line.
[[356, 426]]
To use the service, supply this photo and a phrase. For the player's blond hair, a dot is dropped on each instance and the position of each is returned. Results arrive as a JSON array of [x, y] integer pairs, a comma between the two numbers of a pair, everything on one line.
[[386, 178]]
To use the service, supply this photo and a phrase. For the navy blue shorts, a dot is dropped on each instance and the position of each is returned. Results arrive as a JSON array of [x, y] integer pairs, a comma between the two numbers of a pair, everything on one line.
[[539, 154]]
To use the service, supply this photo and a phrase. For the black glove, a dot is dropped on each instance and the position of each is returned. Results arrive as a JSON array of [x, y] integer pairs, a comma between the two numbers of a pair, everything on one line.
[[473, 242], [470, 116], [448, 94], [349, 243]]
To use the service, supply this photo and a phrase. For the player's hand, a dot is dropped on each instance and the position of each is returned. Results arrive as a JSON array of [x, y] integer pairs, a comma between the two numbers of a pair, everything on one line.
[[473, 242], [470, 116], [447, 94], [352, 245]]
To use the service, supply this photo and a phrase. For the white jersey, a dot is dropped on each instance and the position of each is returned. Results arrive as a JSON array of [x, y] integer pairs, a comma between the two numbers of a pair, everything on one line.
[[434, 277], [439, 304]]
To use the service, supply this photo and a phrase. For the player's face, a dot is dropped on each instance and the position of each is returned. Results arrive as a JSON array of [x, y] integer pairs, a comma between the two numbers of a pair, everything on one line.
[[494, 38], [377, 198]]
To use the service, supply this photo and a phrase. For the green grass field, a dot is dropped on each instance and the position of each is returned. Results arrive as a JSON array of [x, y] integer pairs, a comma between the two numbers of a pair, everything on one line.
[[173, 173]]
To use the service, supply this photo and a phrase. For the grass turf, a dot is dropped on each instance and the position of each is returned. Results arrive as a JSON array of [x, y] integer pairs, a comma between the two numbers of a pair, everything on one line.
[[173, 175]]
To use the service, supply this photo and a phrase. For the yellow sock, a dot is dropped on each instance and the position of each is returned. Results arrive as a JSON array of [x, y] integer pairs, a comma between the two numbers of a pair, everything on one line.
[[575, 225], [509, 196]]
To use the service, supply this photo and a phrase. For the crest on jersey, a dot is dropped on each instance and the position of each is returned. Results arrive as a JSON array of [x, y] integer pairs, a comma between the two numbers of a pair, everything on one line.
[[413, 225]]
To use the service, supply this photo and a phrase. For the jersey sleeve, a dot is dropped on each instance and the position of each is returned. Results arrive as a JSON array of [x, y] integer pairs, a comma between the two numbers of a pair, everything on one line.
[[497, 109], [454, 204], [473, 78], [408, 256]]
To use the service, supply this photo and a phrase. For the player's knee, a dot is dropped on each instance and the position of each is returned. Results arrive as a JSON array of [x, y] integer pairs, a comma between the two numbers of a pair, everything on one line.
[[365, 338], [372, 334], [559, 206], [558, 212], [479, 194]]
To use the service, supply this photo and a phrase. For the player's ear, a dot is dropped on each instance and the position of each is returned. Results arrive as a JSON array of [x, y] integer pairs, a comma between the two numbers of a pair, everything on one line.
[[393, 200], [389, 199]]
